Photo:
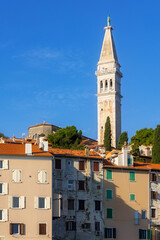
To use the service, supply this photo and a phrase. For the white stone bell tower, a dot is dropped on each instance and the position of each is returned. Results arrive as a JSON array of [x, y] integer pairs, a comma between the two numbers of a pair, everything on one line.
[[109, 88]]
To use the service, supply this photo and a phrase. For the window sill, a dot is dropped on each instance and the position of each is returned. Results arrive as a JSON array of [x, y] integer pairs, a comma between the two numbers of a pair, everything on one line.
[[43, 183]]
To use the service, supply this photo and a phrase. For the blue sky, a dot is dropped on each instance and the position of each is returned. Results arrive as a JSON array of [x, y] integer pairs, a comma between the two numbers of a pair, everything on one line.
[[49, 50]]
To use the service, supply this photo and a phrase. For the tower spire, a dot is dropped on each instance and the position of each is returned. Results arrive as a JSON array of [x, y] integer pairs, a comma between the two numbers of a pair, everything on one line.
[[109, 87]]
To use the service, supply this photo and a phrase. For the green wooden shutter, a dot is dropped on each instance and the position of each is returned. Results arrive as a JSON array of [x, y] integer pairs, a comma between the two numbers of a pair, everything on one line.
[[132, 176], [109, 213], [149, 234], [108, 194], [129, 161], [109, 174], [132, 197]]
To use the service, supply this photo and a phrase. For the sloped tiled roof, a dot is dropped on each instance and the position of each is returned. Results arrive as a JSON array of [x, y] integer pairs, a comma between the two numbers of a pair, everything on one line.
[[19, 149]]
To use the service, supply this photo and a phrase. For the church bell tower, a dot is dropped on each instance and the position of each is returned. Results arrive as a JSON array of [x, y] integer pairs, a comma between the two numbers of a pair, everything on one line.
[[109, 88]]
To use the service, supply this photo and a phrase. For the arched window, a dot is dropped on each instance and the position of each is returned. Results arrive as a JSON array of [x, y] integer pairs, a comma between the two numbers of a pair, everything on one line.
[[101, 84], [110, 83], [106, 84]]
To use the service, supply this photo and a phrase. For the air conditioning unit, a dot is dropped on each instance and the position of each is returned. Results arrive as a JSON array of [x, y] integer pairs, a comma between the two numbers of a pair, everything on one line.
[[97, 233]]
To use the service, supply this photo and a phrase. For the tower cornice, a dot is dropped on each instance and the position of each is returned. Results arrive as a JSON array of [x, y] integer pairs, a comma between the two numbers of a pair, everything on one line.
[[108, 71], [104, 94]]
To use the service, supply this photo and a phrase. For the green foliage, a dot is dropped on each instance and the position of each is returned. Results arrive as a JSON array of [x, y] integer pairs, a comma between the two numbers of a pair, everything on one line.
[[144, 137], [156, 146], [107, 135], [2, 135], [122, 139], [68, 138]]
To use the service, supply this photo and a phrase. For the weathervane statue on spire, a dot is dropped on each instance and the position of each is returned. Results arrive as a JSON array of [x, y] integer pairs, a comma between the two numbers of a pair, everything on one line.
[[108, 21]]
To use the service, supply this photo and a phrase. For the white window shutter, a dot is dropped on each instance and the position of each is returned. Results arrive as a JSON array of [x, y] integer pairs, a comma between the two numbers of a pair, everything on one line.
[[5, 215], [5, 188], [36, 202], [10, 201], [39, 176], [5, 164], [22, 202], [47, 202], [19, 175], [45, 176], [16, 175]]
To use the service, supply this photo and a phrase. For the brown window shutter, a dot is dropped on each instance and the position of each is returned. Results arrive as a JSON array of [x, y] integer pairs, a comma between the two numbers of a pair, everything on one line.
[[57, 163], [151, 177], [96, 166], [81, 165], [42, 229], [157, 176], [22, 229], [11, 228]]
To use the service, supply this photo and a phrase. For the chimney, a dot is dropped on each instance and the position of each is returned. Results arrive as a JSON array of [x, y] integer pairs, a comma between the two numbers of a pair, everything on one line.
[[28, 148], [87, 151]]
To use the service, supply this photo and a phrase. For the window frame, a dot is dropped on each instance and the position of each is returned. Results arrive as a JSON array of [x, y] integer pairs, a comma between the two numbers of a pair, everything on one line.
[[21, 229], [143, 210], [73, 205], [113, 233], [70, 185], [81, 168], [81, 209], [58, 162], [95, 167], [13, 203], [99, 205], [155, 212], [80, 189]]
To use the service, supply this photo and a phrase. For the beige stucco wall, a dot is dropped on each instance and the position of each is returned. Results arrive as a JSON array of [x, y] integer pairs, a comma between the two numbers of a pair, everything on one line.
[[30, 188], [123, 208], [45, 129]]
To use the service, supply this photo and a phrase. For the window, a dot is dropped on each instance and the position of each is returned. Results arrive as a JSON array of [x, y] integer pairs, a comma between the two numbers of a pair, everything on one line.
[[111, 83], [109, 174], [143, 214], [3, 215], [42, 202], [154, 177], [81, 165], [70, 185], [70, 226], [154, 195], [42, 176], [70, 204], [17, 228], [42, 228], [129, 162], [57, 163], [101, 84], [132, 197], [81, 205], [3, 188], [86, 226], [144, 234], [16, 175], [97, 226], [96, 166], [81, 185], [110, 232], [97, 205], [109, 213], [106, 84], [132, 176], [108, 194], [136, 217], [17, 202], [153, 212], [3, 164]]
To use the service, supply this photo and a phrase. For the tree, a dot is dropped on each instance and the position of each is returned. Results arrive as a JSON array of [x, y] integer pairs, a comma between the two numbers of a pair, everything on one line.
[[122, 139], [68, 137], [107, 135], [156, 146], [3, 136]]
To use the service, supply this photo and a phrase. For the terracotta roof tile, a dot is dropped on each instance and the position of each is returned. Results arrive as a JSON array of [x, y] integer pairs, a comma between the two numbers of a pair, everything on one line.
[[19, 149], [75, 153]]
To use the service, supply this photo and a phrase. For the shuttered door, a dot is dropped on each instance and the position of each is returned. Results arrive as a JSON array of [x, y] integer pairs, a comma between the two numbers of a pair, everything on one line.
[[42, 229]]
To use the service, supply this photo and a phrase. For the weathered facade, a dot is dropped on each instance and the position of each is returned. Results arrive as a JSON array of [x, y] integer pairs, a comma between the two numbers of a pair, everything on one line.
[[79, 181], [109, 88]]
